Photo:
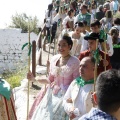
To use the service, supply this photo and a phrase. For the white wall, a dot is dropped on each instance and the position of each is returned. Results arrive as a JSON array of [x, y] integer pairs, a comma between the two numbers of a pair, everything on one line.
[[11, 54]]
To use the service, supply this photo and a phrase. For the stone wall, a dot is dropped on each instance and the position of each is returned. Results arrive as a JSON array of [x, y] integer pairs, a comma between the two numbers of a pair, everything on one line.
[[11, 54]]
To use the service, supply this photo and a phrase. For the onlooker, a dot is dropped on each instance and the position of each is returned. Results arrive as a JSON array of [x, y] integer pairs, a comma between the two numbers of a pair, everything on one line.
[[107, 96], [100, 14], [68, 21], [107, 21], [115, 58], [84, 15]]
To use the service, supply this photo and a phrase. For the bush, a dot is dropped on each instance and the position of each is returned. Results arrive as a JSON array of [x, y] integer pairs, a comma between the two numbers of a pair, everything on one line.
[[14, 78], [23, 21]]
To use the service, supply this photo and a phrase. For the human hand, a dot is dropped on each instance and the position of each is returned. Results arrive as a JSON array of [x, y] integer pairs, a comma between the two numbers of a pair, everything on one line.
[[107, 46], [30, 76], [69, 100], [48, 63], [105, 62]]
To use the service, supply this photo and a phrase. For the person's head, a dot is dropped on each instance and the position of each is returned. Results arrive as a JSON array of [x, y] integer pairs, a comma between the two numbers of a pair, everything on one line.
[[106, 6], [73, 5], [65, 45], [117, 21], [114, 32], [71, 13], [86, 69], [92, 38], [95, 26], [108, 14], [100, 8], [108, 92], [83, 9], [50, 7], [79, 27]]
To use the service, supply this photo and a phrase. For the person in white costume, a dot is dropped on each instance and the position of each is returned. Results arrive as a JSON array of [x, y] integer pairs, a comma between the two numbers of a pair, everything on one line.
[[77, 38], [77, 100]]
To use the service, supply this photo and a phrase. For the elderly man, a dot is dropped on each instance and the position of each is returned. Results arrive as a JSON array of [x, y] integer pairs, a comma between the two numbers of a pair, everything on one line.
[[77, 100], [107, 97]]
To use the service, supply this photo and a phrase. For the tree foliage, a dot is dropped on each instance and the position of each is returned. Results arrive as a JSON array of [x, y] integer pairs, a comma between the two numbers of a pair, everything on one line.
[[23, 21]]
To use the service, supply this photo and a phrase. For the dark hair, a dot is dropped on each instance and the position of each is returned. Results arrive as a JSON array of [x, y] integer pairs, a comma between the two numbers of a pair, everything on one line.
[[117, 21], [68, 40], [70, 11], [95, 23], [50, 7], [84, 6], [108, 90], [109, 14], [79, 24], [85, 22], [74, 4]]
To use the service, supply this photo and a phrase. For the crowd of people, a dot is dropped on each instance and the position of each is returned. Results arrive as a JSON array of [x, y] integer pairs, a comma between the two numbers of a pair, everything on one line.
[[88, 46], [84, 76]]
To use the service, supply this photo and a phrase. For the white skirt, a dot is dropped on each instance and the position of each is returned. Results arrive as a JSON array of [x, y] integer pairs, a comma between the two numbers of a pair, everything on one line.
[[50, 108]]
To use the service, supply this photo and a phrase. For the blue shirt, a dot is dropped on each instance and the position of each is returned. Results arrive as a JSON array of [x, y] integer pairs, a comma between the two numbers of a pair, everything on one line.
[[97, 114]]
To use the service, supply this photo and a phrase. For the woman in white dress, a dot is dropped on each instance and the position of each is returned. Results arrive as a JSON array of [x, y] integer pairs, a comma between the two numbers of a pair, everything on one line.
[[77, 38]]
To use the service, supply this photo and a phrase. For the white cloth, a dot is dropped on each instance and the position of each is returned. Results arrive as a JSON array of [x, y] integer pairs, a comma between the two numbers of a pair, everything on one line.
[[79, 96], [77, 43], [66, 19], [50, 108], [49, 20], [84, 43], [59, 16]]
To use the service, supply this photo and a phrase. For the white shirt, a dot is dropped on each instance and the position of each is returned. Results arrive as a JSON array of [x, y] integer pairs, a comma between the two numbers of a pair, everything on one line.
[[66, 19], [77, 43], [80, 101], [58, 16], [49, 20]]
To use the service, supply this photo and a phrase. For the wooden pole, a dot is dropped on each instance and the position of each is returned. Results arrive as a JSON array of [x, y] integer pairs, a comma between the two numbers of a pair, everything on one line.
[[105, 53], [34, 58], [28, 71], [96, 64]]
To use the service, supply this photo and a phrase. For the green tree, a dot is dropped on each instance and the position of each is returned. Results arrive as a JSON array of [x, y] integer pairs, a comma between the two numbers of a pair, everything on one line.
[[23, 21]]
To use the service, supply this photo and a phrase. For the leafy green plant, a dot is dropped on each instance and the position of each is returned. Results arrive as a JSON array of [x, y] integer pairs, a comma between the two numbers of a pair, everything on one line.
[[14, 78], [23, 21]]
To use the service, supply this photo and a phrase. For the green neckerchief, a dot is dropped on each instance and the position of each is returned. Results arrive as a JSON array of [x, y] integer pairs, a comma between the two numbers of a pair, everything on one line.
[[96, 55], [116, 46], [5, 89], [82, 82], [103, 35]]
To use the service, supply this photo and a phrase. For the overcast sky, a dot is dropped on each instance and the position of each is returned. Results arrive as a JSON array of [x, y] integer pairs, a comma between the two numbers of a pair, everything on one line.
[[30, 7]]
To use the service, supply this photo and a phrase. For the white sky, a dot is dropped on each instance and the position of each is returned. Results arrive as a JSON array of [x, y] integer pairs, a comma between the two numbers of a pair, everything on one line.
[[30, 7]]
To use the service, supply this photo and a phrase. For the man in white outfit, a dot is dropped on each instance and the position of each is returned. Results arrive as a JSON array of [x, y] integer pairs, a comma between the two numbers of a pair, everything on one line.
[[77, 100]]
